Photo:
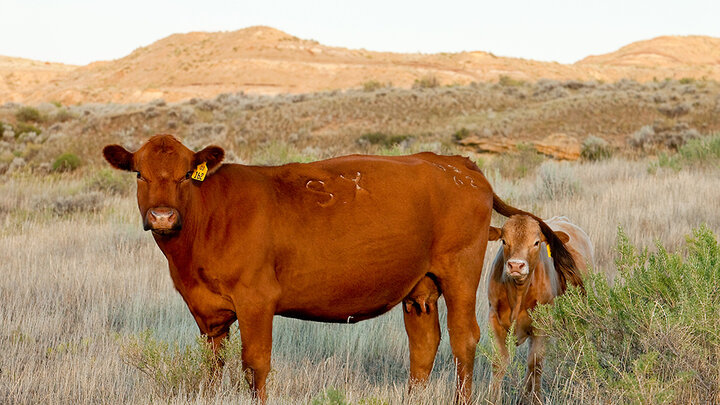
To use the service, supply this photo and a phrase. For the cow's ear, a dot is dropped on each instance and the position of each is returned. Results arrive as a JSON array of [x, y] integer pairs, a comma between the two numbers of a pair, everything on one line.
[[118, 157], [565, 238], [495, 233], [212, 156]]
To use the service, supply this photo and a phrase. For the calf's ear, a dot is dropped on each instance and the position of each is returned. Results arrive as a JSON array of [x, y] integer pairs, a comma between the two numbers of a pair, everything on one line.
[[118, 157], [212, 156], [565, 238], [495, 233]]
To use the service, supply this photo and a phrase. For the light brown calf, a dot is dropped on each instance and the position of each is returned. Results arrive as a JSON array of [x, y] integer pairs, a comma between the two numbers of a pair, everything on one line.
[[524, 275]]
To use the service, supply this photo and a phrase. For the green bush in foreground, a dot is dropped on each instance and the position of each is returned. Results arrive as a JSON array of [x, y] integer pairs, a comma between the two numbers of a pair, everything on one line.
[[173, 369], [650, 338]]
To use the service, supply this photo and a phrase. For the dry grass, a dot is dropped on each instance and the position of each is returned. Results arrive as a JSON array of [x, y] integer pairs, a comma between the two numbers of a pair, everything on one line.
[[76, 284]]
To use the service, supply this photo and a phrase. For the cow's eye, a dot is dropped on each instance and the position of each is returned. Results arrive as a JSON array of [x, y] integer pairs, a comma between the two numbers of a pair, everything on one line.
[[139, 176], [188, 174]]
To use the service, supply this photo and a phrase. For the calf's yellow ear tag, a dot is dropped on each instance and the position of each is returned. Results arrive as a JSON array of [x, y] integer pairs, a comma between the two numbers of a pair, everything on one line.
[[548, 248], [200, 172]]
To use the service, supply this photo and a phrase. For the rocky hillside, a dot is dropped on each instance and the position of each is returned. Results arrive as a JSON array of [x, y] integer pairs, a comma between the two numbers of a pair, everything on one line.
[[263, 60]]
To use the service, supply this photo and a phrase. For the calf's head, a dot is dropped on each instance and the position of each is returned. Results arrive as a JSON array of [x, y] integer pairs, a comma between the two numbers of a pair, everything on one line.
[[164, 168], [523, 244]]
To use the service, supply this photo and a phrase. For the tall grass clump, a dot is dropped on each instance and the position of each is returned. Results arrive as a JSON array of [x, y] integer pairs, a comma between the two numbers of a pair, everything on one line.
[[697, 152], [172, 369], [429, 81], [651, 337], [556, 180], [704, 150], [517, 164], [595, 148], [28, 114], [67, 162]]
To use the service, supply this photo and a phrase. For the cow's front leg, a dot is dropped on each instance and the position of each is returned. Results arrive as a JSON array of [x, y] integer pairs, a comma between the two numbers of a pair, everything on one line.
[[255, 317]]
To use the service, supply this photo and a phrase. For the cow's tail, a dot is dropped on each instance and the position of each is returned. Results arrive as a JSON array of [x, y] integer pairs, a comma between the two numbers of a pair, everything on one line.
[[563, 260]]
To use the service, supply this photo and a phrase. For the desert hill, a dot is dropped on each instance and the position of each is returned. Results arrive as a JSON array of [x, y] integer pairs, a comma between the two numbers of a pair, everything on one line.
[[665, 52], [263, 60]]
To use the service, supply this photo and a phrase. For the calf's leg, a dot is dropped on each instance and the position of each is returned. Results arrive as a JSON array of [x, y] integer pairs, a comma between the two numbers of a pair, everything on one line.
[[533, 394], [501, 363]]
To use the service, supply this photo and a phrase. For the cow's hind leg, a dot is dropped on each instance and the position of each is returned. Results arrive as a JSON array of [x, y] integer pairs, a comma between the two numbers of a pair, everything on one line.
[[422, 325], [459, 290]]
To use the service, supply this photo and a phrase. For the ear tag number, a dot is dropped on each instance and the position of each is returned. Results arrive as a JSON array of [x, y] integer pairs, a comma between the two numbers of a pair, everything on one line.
[[548, 249], [200, 172]]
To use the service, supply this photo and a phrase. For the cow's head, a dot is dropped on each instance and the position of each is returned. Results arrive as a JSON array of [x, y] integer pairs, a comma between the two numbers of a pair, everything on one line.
[[164, 167], [523, 243]]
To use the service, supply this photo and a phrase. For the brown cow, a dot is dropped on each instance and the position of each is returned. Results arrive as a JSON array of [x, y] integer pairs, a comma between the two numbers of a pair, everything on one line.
[[524, 275], [340, 240]]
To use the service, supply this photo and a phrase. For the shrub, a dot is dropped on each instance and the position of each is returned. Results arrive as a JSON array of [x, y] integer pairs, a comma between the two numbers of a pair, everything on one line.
[[70, 204], [701, 151], [372, 85], [460, 134], [23, 128], [508, 81], [426, 82], [518, 164], [595, 148], [28, 114], [379, 138], [674, 111], [62, 115], [651, 337], [173, 369], [670, 135], [67, 162], [110, 181], [555, 181], [277, 152], [331, 396]]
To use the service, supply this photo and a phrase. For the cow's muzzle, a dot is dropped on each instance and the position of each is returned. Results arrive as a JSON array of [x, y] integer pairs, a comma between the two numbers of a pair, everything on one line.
[[162, 220]]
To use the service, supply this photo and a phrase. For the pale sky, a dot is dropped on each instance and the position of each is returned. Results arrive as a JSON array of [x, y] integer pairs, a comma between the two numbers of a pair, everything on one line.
[[82, 31]]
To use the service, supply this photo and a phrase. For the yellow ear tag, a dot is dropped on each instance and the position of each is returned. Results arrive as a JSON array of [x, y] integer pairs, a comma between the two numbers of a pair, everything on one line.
[[548, 248], [200, 172]]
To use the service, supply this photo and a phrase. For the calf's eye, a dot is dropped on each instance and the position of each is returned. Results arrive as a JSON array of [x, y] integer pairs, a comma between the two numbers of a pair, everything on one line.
[[537, 243]]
